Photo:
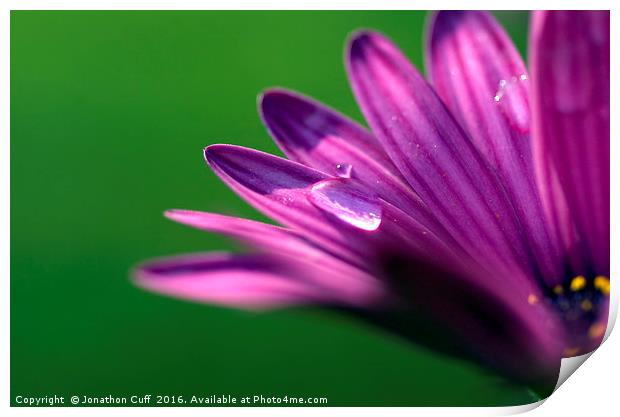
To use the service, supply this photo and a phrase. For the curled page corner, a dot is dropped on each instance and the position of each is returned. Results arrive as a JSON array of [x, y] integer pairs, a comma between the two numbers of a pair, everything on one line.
[[569, 366]]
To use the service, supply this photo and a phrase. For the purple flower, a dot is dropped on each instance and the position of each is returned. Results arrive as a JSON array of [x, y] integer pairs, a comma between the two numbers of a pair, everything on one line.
[[474, 218]]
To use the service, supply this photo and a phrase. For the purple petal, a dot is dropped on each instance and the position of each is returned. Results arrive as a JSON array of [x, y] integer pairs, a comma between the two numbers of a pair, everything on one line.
[[281, 189], [262, 236], [480, 76], [244, 281], [278, 188], [570, 77], [241, 281], [317, 136], [433, 153], [399, 234], [281, 243]]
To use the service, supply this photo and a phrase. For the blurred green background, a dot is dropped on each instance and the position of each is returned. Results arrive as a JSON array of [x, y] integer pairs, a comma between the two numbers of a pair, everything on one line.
[[109, 115]]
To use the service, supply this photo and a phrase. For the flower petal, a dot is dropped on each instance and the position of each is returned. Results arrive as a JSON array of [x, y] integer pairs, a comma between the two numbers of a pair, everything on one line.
[[282, 190], [433, 153], [316, 136], [570, 77], [394, 232], [278, 188], [242, 281], [284, 244], [261, 236], [480, 76]]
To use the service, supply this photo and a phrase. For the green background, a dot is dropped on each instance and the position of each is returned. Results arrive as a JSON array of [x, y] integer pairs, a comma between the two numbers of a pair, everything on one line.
[[109, 115]]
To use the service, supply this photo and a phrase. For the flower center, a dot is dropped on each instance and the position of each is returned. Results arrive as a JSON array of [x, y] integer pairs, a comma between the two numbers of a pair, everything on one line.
[[580, 303]]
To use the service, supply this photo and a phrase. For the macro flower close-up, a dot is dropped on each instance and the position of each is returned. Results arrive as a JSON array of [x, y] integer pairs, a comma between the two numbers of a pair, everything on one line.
[[471, 216]]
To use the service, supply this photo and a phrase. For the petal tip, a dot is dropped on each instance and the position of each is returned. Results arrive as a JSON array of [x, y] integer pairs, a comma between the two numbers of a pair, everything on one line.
[[207, 152], [214, 154], [273, 100], [446, 21], [359, 40], [364, 45], [176, 214], [268, 94]]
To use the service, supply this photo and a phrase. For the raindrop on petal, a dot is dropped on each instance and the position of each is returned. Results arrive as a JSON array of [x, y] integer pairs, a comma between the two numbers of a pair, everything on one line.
[[512, 100], [344, 170], [349, 202]]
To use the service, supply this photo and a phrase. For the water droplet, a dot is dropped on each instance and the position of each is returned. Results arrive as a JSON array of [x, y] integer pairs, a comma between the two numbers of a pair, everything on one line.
[[348, 201], [394, 121], [344, 170], [511, 97]]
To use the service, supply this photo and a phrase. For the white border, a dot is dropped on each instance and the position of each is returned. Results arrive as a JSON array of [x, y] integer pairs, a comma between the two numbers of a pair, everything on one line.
[[303, 5], [591, 392]]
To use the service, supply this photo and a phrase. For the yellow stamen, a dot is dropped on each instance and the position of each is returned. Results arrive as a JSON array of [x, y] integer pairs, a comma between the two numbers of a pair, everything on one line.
[[568, 352], [596, 330], [586, 305], [578, 283], [601, 283], [558, 290], [532, 299]]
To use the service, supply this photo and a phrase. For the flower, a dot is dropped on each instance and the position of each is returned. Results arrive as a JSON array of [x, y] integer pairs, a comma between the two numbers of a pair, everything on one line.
[[474, 218]]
